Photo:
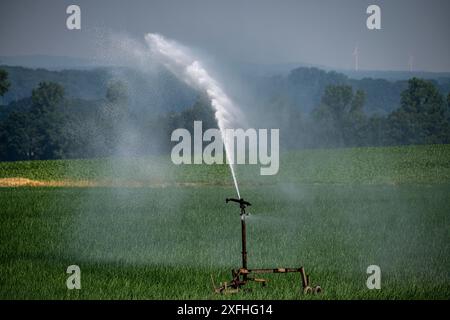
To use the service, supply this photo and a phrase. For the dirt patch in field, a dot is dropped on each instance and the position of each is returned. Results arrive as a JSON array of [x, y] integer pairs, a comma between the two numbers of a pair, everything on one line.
[[25, 182]]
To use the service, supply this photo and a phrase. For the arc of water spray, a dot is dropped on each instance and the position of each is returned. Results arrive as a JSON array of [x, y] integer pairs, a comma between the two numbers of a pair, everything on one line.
[[180, 62]]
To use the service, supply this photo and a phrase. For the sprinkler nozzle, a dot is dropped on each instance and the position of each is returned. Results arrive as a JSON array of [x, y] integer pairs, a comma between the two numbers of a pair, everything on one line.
[[241, 202]]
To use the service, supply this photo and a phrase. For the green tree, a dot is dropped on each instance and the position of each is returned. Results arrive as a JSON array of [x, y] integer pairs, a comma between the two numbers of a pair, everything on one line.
[[47, 97], [376, 131], [337, 101], [4, 83], [17, 137], [200, 111], [48, 120], [115, 119], [340, 116], [422, 116], [117, 92]]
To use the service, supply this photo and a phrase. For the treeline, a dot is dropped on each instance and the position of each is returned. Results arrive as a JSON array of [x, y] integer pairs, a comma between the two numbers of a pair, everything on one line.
[[303, 89], [158, 90], [339, 120], [50, 125]]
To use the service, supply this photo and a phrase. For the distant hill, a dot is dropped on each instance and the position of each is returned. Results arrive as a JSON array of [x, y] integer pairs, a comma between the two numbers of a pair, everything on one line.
[[283, 69], [161, 92], [86, 84], [248, 68], [303, 87], [48, 62], [394, 75]]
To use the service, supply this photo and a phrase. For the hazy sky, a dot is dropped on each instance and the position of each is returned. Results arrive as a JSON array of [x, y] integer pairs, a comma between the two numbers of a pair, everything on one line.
[[315, 31]]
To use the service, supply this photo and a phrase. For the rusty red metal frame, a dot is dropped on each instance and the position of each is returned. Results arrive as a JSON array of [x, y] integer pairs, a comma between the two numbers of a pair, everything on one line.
[[243, 275]]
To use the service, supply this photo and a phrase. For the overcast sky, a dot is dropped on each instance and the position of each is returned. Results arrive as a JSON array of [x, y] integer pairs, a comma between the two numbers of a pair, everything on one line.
[[315, 31]]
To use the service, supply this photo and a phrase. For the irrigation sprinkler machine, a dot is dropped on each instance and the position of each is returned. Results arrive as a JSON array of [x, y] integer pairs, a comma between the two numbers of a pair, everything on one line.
[[176, 57], [243, 275]]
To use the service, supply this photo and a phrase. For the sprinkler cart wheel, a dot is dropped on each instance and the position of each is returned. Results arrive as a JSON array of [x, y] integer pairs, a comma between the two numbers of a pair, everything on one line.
[[242, 276], [308, 290]]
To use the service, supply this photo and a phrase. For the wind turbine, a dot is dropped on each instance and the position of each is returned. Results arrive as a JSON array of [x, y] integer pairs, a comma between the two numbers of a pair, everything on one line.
[[356, 55], [411, 63]]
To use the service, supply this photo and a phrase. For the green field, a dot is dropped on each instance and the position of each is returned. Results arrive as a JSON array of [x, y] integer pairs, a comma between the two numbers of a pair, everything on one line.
[[333, 211]]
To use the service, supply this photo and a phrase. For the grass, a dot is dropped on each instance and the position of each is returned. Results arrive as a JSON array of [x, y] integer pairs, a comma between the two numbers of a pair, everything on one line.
[[388, 165], [333, 211]]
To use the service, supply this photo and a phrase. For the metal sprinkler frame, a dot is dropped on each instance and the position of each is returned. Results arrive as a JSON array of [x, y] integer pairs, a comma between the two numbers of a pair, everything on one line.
[[243, 275]]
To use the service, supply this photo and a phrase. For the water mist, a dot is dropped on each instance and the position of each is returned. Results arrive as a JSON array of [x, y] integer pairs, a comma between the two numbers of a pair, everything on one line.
[[180, 61]]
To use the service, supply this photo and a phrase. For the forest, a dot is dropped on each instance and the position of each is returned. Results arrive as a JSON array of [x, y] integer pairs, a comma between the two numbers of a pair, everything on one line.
[[89, 113]]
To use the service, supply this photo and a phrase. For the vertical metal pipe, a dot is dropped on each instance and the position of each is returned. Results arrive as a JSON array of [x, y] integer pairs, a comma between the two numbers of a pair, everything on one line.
[[305, 280], [244, 242]]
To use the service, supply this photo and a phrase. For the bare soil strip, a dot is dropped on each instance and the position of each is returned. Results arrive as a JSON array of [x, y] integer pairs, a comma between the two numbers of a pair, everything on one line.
[[25, 182]]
